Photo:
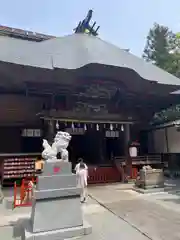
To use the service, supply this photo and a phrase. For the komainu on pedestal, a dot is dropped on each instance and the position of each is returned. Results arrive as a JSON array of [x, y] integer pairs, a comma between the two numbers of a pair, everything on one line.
[[56, 209]]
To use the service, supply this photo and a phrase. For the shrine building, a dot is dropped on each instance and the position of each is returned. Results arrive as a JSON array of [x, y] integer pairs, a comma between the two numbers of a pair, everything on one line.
[[102, 94]]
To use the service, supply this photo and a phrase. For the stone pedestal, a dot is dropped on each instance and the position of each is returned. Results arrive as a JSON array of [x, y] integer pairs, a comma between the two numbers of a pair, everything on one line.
[[56, 210], [152, 178], [1, 194]]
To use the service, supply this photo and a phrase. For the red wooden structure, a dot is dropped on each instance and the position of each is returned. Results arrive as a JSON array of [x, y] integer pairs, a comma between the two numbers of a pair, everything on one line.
[[103, 175], [23, 194], [97, 175]]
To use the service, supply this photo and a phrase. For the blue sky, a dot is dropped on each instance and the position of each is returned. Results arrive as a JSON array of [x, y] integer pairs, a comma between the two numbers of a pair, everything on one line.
[[123, 23]]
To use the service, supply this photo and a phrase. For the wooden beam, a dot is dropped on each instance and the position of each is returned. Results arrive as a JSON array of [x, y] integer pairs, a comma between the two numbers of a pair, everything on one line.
[[85, 121]]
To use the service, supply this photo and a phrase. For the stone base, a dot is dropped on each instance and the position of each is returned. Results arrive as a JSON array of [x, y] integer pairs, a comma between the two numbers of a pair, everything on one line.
[[149, 187], [150, 190], [1, 195], [1, 199], [60, 234]]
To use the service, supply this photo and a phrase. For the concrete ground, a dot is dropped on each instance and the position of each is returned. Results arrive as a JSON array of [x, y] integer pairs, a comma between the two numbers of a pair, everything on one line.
[[114, 211], [105, 224], [155, 215]]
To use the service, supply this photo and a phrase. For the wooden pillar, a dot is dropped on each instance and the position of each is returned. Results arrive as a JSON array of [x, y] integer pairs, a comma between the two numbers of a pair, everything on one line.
[[52, 101], [50, 132], [102, 142], [127, 138], [167, 140]]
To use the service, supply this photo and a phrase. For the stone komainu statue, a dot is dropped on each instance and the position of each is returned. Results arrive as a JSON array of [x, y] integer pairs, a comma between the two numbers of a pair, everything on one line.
[[60, 144]]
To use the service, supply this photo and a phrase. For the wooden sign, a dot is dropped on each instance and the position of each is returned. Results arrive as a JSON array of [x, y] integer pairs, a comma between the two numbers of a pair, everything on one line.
[[31, 133]]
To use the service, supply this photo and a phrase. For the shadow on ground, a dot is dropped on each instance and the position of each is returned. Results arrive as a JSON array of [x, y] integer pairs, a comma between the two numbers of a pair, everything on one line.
[[177, 201], [18, 227], [8, 204]]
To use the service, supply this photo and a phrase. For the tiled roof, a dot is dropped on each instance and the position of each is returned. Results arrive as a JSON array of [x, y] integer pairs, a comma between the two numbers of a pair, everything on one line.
[[75, 51], [23, 34]]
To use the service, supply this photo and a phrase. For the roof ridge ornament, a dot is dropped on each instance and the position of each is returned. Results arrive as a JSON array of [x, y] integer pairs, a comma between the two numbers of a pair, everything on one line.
[[85, 27]]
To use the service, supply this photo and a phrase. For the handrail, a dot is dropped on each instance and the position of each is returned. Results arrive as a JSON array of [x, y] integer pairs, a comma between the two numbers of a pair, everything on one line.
[[18, 154], [147, 157], [15, 195]]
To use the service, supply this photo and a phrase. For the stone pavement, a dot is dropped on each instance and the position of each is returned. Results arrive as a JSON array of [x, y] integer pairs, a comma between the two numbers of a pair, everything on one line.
[[105, 224], [115, 211], [155, 215]]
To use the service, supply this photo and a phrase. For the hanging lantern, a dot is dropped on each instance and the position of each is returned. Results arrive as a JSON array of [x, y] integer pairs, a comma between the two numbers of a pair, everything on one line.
[[111, 127], [122, 128], [97, 127], [57, 125], [85, 127], [72, 125]]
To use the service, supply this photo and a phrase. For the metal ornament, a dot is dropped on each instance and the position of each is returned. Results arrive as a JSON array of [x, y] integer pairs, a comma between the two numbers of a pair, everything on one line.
[[85, 27], [85, 127], [111, 127], [97, 127]]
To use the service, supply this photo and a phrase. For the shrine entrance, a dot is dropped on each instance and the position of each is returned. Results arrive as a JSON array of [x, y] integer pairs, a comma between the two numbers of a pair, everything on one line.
[[114, 144], [97, 143], [85, 146]]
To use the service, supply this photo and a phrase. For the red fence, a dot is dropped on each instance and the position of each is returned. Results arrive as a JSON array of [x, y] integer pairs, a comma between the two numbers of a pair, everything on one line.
[[103, 175], [134, 173], [23, 194]]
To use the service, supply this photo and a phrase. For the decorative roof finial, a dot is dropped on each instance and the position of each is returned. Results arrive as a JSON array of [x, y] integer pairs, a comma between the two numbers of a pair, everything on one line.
[[85, 27]]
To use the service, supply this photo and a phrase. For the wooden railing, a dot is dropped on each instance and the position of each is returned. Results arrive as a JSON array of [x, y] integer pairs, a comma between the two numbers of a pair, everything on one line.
[[127, 169], [140, 160], [103, 175]]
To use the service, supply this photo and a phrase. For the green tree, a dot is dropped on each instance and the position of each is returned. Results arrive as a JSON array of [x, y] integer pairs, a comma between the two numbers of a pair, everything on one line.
[[163, 49], [158, 46], [173, 64]]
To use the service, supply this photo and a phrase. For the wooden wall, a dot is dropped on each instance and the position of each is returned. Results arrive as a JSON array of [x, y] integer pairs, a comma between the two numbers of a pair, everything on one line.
[[10, 139], [17, 108], [17, 113], [166, 140]]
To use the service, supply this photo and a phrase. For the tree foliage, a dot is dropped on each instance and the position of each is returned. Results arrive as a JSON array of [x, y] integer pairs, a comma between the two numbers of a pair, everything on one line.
[[166, 115], [163, 49]]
